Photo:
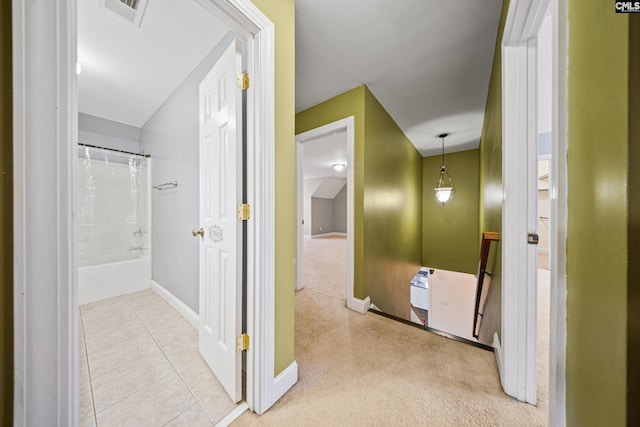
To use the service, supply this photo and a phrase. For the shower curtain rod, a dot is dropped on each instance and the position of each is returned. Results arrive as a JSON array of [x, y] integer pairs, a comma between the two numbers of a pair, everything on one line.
[[113, 149]]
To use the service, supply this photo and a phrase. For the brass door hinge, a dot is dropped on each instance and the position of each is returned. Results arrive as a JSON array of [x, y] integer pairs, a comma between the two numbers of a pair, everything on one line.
[[243, 81], [242, 343], [244, 212]]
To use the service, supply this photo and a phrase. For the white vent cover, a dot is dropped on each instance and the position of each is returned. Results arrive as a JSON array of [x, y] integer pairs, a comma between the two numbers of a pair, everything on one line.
[[131, 10]]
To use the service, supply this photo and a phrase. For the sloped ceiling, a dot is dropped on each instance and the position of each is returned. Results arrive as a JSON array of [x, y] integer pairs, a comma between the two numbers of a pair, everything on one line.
[[128, 72], [320, 154], [327, 188], [428, 62]]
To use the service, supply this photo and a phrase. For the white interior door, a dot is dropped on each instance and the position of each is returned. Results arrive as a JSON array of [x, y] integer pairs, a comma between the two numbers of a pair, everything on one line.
[[221, 232]]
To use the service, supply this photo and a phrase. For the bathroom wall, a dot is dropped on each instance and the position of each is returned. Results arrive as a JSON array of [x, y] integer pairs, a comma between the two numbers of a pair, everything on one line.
[[450, 230], [171, 136], [106, 133]]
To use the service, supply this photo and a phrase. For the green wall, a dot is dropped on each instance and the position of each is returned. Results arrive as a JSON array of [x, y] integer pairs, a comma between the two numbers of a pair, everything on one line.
[[633, 304], [392, 211], [450, 230], [388, 198], [598, 156], [6, 219], [282, 14], [350, 103], [491, 188]]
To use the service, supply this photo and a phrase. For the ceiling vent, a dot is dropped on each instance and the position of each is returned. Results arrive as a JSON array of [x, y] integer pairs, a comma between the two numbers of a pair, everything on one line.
[[131, 10]]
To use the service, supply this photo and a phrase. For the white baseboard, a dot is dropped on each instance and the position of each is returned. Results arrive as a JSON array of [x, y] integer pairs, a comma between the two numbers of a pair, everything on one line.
[[186, 312], [233, 415], [359, 305], [283, 382], [334, 233], [497, 349]]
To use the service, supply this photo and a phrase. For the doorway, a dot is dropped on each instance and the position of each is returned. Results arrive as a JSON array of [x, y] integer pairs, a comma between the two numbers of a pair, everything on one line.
[[326, 181], [140, 340], [45, 105], [324, 213], [520, 57]]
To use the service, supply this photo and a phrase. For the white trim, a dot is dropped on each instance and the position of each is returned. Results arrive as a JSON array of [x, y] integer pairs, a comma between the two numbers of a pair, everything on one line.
[[233, 415], [498, 351], [333, 233], [517, 358], [559, 212], [359, 305], [182, 308], [285, 380], [261, 195], [45, 131], [347, 124], [45, 294]]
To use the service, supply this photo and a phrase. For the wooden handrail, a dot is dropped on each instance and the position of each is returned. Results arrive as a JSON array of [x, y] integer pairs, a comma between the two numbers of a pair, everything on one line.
[[487, 238]]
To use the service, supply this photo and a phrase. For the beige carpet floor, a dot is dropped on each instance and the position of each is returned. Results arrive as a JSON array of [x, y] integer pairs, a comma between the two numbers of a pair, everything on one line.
[[367, 370]]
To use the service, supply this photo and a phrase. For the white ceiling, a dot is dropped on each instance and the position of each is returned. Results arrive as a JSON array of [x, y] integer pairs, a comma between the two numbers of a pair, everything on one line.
[[320, 154], [428, 62], [128, 72]]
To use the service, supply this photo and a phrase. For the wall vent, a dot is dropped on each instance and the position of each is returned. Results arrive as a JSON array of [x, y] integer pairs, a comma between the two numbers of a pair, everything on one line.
[[130, 10]]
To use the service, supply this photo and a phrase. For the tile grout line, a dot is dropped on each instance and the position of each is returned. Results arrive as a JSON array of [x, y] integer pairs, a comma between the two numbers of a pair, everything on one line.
[[146, 386], [174, 369], [86, 356]]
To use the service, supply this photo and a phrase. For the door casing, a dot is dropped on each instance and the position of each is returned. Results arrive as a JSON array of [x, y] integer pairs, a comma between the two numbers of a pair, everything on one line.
[[44, 41], [347, 124], [516, 352]]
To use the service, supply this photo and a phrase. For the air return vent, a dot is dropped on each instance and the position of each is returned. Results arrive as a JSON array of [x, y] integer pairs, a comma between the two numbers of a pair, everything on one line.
[[131, 10]]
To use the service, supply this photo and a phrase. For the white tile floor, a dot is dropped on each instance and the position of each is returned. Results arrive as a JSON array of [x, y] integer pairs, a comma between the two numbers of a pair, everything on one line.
[[140, 366]]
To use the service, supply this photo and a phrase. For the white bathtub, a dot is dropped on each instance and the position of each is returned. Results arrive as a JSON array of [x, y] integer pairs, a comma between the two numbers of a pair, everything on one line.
[[110, 280]]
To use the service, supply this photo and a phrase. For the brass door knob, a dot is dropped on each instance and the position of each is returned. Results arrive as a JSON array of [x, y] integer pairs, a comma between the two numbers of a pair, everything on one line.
[[198, 232]]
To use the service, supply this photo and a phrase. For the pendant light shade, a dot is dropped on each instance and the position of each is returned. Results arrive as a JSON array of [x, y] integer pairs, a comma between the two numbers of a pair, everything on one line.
[[444, 187]]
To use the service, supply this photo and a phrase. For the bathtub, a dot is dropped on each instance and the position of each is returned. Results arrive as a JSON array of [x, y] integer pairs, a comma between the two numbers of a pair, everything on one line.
[[102, 281], [113, 223]]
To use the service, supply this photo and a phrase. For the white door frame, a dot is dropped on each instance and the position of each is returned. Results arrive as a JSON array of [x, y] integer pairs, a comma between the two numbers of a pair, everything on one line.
[[516, 353], [45, 108], [346, 124]]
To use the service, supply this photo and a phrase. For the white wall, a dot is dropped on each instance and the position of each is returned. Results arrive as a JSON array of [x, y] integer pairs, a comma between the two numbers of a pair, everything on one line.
[[544, 77], [171, 137], [105, 133]]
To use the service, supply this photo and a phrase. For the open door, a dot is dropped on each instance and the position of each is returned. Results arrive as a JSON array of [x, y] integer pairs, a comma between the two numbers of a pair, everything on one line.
[[221, 235]]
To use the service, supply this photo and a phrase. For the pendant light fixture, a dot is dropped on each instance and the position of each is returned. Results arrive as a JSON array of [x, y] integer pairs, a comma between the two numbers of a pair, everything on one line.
[[444, 188]]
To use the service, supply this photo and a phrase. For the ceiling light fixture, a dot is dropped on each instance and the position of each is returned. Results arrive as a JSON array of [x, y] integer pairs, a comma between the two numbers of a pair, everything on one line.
[[339, 167], [444, 188]]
